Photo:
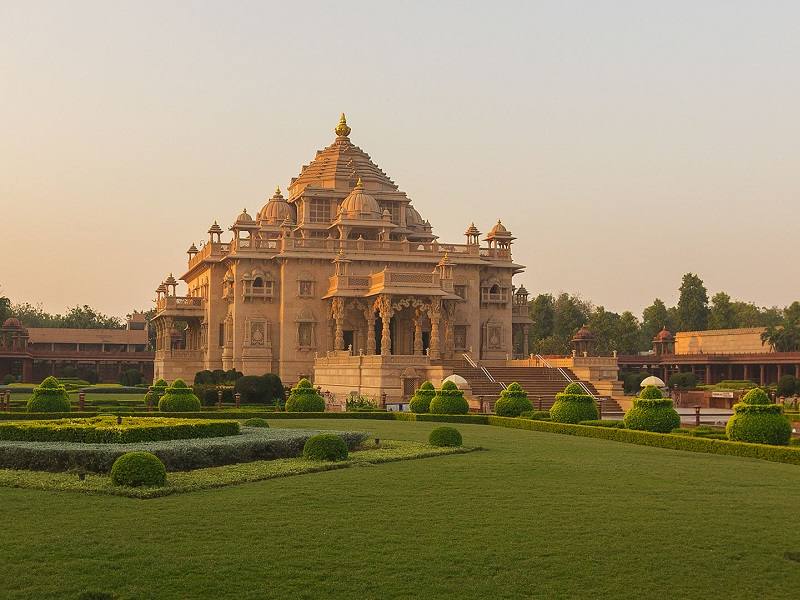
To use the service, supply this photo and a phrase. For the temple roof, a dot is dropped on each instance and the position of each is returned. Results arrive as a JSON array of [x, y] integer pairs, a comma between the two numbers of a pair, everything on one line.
[[339, 166]]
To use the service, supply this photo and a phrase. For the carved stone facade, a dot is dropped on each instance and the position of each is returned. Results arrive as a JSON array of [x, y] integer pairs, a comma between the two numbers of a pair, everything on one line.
[[344, 266]]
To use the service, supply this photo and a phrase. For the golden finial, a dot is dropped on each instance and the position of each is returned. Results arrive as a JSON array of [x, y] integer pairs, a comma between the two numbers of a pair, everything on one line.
[[359, 185], [277, 190], [342, 129]]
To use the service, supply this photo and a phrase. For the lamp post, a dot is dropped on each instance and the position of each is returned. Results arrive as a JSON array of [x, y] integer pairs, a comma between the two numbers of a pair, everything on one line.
[[238, 398], [219, 397]]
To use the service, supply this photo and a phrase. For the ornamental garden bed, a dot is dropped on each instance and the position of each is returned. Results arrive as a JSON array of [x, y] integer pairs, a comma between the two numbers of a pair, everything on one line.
[[367, 453], [250, 444]]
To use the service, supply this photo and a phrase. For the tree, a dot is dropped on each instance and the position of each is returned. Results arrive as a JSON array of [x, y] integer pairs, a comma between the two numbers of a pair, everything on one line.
[[654, 317], [77, 317], [722, 314], [785, 335], [542, 313], [629, 335], [747, 314], [604, 327], [5, 309], [693, 304]]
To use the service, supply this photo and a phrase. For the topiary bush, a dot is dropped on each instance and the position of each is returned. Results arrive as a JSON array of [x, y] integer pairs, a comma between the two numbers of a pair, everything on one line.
[[135, 469], [154, 392], [513, 401], [421, 400], [787, 386], [179, 397], [449, 401], [445, 437], [256, 422], [325, 446], [50, 396], [757, 421], [652, 412], [573, 405], [304, 398]]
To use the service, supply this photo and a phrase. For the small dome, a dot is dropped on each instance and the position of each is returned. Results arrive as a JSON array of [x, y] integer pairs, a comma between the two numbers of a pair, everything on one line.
[[275, 210], [664, 336], [460, 382], [215, 228], [653, 380], [360, 205], [170, 280], [162, 289], [244, 218], [12, 323], [192, 249], [413, 218], [499, 230], [472, 230], [584, 333]]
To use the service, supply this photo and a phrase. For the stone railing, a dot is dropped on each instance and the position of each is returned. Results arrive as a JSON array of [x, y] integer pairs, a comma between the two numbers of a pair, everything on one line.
[[189, 304], [209, 250]]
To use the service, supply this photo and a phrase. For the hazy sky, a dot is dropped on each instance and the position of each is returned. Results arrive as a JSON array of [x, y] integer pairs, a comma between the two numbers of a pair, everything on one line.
[[624, 143]]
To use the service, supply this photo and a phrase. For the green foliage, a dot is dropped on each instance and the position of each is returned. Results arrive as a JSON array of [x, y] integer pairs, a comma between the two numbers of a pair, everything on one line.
[[654, 317], [683, 381], [205, 377], [256, 422], [787, 386], [131, 377], [77, 317], [759, 423], [632, 380], [304, 398], [97, 595], [449, 401], [574, 388], [693, 304], [358, 403], [179, 398], [756, 396], [325, 446], [445, 437], [9, 378], [421, 400], [136, 469], [209, 393], [573, 408], [105, 430], [264, 389], [604, 423], [784, 335], [651, 392], [651, 413], [49, 397], [154, 392], [513, 401], [539, 415]]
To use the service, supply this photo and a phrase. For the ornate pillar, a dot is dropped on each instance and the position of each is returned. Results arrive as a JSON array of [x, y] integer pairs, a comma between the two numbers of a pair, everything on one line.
[[761, 375], [337, 311], [525, 341], [418, 333], [385, 311], [435, 316], [369, 316]]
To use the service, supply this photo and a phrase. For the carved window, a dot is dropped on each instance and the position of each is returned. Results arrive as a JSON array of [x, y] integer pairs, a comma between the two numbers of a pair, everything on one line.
[[460, 337], [393, 210], [305, 335], [461, 291], [259, 287], [305, 288], [319, 211]]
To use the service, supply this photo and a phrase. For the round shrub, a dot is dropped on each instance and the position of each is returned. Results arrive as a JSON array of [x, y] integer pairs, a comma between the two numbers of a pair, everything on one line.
[[652, 414], [445, 436], [325, 446], [651, 392], [449, 401], [256, 422], [135, 469], [421, 400], [154, 392], [757, 421], [50, 396], [179, 397], [304, 398], [573, 405], [513, 401]]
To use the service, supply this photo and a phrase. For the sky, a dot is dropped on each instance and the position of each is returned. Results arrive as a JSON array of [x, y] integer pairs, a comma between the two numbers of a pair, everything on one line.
[[624, 143]]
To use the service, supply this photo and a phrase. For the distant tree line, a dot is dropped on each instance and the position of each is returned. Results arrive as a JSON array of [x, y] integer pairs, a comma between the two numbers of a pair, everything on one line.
[[557, 318]]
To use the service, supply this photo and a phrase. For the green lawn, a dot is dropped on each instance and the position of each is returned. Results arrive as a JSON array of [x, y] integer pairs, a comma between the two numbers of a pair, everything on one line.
[[537, 515]]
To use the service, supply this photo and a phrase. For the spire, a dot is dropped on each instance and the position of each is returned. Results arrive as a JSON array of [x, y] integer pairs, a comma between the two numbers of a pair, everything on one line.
[[359, 184], [277, 190], [342, 129]]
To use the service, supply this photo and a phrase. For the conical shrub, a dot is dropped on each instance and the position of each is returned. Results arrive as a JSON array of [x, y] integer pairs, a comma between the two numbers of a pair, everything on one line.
[[756, 420], [304, 398], [50, 396], [652, 412], [449, 401], [421, 400], [513, 401], [573, 405], [179, 397]]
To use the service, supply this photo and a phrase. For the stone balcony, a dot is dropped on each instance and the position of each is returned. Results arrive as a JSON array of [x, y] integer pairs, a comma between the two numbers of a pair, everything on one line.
[[180, 307]]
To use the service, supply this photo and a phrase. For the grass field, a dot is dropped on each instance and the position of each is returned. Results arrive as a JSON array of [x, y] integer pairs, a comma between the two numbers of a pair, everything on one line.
[[537, 515]]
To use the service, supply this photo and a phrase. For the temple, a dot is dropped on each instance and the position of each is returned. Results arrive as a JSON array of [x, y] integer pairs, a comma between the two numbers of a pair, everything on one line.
[[341, 280]]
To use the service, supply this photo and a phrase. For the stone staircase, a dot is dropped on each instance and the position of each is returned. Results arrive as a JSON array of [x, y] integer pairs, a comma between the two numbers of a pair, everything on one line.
[[541, 383]]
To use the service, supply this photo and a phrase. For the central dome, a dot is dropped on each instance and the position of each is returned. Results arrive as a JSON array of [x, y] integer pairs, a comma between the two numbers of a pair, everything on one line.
[[360, 205]]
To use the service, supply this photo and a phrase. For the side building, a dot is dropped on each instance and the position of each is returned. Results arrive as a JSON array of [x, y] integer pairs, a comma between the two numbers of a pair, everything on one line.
[[342, 281]]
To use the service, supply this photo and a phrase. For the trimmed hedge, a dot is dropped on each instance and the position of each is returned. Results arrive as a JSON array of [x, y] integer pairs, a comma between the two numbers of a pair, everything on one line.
[[449, 401], [254, 443], [445, 437], [136, 469], [513, 401], [179, 397], [325, 446], [652, 412], [421, 400], [304, 398], [604, 423], [759, 424], [49, 397], [573, 408], [783, 454], [256, 422], [539, 415], [105, 430]]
